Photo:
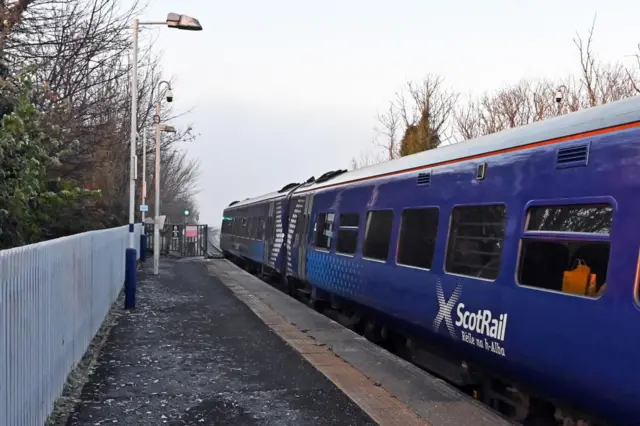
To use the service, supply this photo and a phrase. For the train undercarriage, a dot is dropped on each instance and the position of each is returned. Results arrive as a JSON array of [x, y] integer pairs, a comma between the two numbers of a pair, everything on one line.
[[498, 393]]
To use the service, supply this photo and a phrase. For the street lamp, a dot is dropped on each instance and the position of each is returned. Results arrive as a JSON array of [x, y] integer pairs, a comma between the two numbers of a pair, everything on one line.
[[159, 128], [560, 97], [180, 22], [143, 197]]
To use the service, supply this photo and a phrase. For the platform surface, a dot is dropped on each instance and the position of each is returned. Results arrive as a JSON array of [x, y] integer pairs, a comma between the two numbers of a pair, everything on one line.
[[193, 354], [388, 388]]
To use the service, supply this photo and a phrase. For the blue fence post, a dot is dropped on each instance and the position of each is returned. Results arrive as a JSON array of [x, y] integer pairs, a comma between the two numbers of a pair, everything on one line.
[[143, 246], [130, 272]]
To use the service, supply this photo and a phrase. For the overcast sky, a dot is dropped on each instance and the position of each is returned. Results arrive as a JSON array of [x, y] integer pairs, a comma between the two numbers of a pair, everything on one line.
[[282, 90]]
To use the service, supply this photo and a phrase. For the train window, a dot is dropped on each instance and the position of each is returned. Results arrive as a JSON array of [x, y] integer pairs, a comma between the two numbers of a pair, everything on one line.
[[260, 228], [349, 220], [267, 229], [348, 233], [554, 259], [243, 228], [575, 267], [254, 229], [305, 231], [324, 230], [593, 219], [377, 234], [475, 241], [417, 242], [300, 229]]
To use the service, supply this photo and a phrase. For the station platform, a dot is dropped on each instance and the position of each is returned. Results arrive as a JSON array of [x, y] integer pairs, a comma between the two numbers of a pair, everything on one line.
[[210, 344]]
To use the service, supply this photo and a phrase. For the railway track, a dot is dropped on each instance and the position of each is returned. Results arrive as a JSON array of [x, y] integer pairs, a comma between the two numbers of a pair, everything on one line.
[[212, 251]]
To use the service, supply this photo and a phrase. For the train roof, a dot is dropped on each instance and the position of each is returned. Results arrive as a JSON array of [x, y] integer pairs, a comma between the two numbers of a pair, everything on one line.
[[590, 119], [609, 115], [270, 196]]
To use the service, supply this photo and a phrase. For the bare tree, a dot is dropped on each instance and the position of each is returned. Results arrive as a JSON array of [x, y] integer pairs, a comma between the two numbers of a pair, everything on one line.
[[368, 158], [426, 113], [418, 119], [513, 106], [11, 13], [634, 73], [601, 83], [178, 177], [525, 102], [388, 129], [79, 52]]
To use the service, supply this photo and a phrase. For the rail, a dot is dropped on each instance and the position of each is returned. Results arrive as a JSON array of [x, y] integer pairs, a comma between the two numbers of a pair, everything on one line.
[[212, 249], [54, 297]]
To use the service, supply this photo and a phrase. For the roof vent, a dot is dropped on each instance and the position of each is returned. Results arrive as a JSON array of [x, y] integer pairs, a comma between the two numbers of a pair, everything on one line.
[[288, 187], [573, 156], [424, 178], [330, 175]]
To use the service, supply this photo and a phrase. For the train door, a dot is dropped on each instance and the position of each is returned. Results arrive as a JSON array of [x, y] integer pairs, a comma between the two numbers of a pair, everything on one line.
[[269, 238], [303, 237], [291, 234]]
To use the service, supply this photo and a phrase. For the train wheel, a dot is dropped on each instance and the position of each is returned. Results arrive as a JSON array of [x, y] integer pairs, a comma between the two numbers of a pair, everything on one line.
[[290, 286], [540, 413], [315, 305], [372, 332]]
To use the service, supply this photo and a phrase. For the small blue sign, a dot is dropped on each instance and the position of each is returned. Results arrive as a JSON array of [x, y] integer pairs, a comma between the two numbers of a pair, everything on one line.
[[144, 208]]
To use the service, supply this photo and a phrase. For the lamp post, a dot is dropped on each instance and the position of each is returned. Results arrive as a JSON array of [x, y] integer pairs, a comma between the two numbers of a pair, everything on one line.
[[156, 203], [143, 188], [143, 197], [180, 22]]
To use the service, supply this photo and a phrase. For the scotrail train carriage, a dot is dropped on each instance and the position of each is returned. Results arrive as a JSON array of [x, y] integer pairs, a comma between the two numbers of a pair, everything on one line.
[[508, 264]]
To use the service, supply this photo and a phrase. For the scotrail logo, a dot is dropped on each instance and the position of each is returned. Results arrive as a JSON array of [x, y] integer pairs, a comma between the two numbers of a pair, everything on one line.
[[482, 328], [445, 307]]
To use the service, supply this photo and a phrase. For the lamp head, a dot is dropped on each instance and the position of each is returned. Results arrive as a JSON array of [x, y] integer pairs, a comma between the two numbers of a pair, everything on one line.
[[183, 22], [559, 96], [560, 93], [167, 129], [169, 95]]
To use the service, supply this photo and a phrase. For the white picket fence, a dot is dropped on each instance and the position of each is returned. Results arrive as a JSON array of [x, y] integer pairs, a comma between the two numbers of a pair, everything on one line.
[[54, 297]]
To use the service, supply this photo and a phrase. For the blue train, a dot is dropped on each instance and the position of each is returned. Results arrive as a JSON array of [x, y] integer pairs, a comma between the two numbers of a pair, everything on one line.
[[508, 264]]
